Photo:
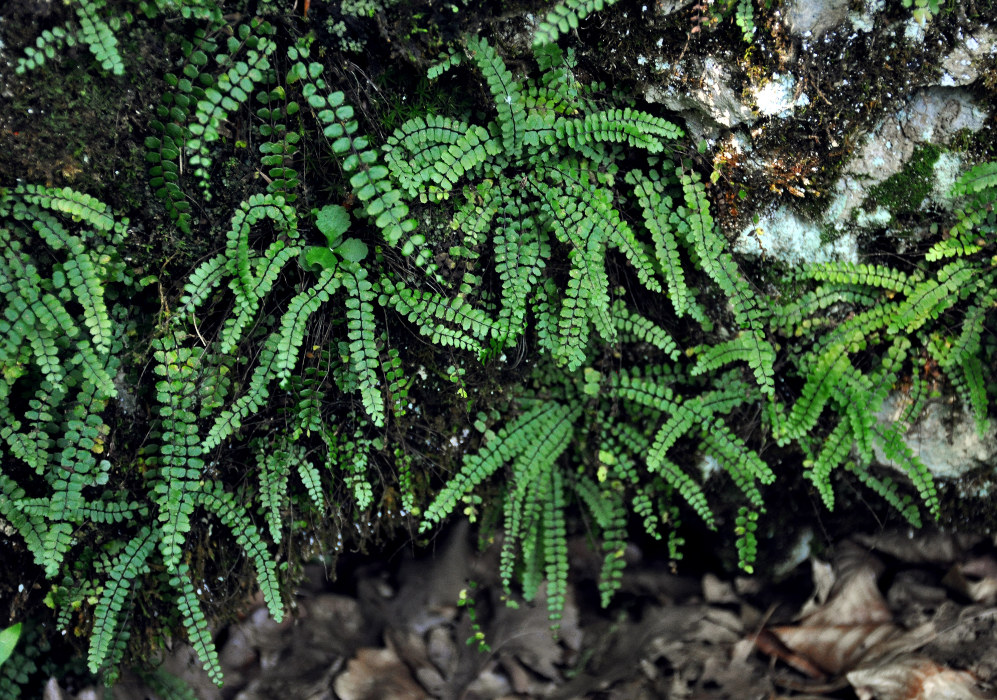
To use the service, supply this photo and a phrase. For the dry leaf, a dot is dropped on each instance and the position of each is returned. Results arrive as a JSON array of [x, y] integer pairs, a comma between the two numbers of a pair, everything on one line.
[[912, 678], [835, 648], [377, 674], [845, 630]]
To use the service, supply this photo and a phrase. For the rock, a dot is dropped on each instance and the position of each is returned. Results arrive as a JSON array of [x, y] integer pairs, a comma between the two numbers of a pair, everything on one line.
[[777, 96], [962, 65], [933, 115], [700, 89], [782, 234], [814, 17], [667, 7], [945, 439]]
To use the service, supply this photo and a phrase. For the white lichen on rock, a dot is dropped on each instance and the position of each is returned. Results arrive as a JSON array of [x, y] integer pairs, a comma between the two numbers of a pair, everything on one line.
[[783, 235], [777, 97]]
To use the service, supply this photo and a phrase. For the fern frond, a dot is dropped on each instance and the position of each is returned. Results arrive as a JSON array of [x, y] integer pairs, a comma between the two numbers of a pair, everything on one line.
[[861, 274], [438, 150], [657, 210], [196, 624], [231, 512], [273, 467], [362, 336], [896, 450], [598, 204], [179, 477], [425, 309], [564, 17], [744, 16], [451, 60], [970, 382], [630, 126], [687, 487], [555, 546], [748, 347], [287, 340], [887, 489], [636, 328], [506, 91], [826, 373], [128, 566], [99, 37], [30, 526], [975, 225], [369, 179], [530, 431], [930, 298], [833, 454], [743, 464]]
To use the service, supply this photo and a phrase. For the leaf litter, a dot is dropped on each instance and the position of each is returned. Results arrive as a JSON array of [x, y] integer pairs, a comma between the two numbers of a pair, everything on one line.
[[889, 617]]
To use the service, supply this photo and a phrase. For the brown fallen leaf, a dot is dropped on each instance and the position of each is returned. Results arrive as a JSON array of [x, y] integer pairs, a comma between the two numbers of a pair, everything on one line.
[[976, 579], [912, 678], [377, 674], [836, 648]]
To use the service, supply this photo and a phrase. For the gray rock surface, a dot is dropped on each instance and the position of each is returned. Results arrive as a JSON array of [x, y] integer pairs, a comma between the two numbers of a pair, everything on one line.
[[701, 91], [814, 17], [933, 115], [945, 439]]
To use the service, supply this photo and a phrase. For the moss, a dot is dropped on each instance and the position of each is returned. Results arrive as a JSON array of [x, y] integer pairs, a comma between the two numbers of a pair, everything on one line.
[[903, 193]]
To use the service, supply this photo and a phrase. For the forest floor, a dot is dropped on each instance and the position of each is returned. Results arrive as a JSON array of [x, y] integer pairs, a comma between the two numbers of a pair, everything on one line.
[[893, 615]]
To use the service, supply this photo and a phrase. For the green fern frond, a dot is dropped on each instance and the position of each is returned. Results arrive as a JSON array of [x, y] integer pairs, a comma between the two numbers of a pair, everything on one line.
[[748, 347], [863, 274], [896, 450], [362, 337], [436, 150], [564, 17], [179, 476], [931, 297], [430, 312], [657, 210], [30, 526], [823, 377], [635, 328], [632, 127], [287, 340], [231, 512], [196, 624], [506, 91], [833, 454], [129, 565], [976, 222], [273, 468], [888, 490], [555, 547], [530, 431]]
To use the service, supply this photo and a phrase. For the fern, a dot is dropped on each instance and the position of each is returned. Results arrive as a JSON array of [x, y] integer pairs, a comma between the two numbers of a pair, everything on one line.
[[179, 477], [224, 505], [196, 624], [93, 31], [360, 325], [744, 16], [564, 17], [129, 565]]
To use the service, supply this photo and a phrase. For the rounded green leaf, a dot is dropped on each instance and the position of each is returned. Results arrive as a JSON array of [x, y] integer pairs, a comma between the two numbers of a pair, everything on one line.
[[332, 221]]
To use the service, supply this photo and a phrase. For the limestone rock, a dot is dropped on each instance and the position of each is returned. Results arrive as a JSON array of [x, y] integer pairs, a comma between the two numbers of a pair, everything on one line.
[[814, 17], [945, 439]]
